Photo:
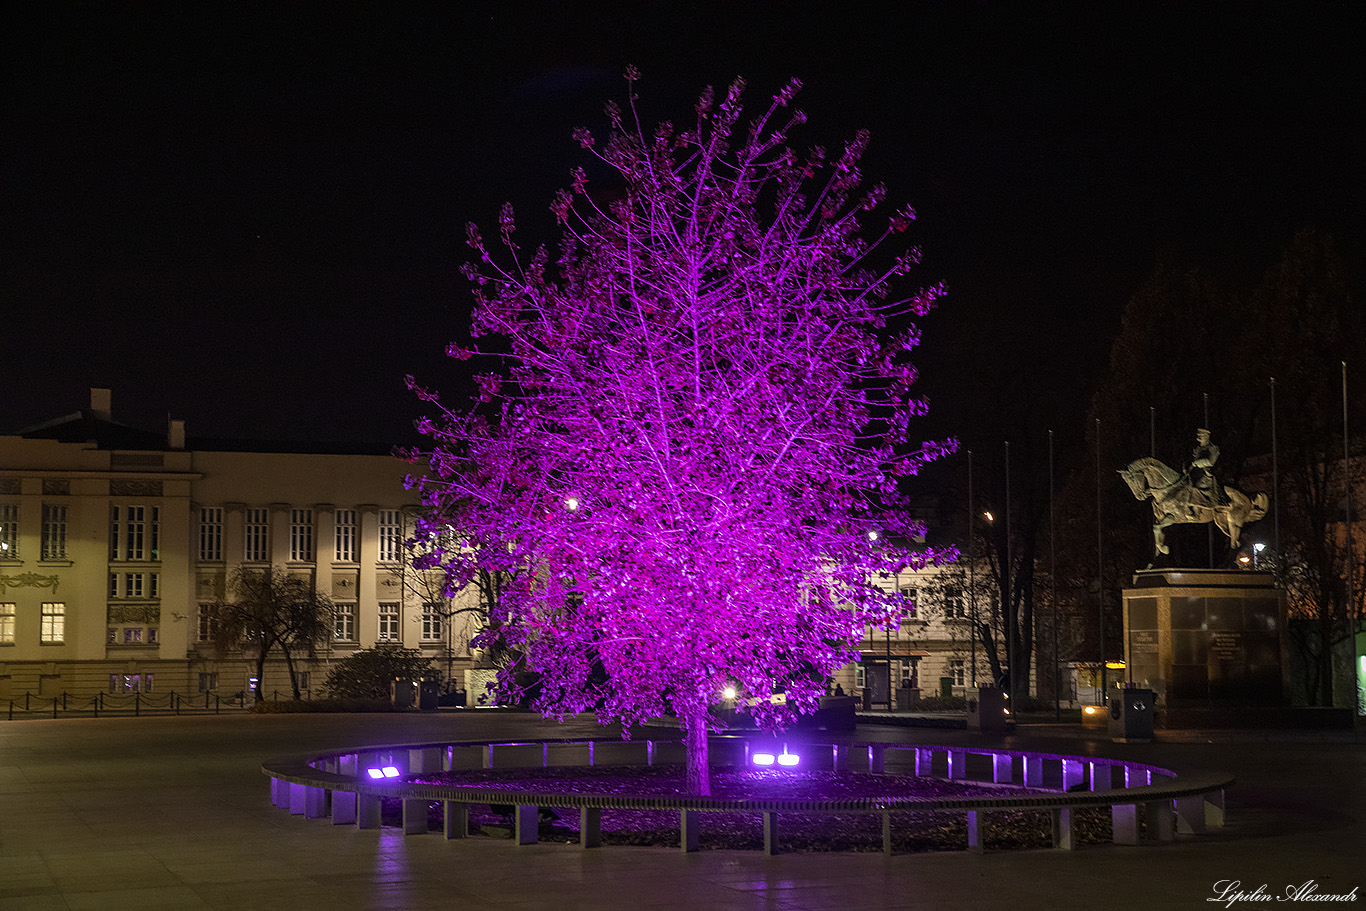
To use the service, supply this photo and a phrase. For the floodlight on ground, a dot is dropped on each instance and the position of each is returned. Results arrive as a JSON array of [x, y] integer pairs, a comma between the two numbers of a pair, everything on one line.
[[787, 759], [763, 759], [728, 693], [571, 503], [383, 772], [873, 536]]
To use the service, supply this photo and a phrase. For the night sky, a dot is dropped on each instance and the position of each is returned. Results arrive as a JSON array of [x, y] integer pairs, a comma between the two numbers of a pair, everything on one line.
[[250, 216]]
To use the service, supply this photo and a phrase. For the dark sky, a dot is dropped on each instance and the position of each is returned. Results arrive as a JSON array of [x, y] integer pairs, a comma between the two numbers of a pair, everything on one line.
[[250, 216]]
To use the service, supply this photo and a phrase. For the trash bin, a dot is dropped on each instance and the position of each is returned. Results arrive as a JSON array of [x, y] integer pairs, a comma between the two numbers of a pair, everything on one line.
[[403, 693], [1131, 714], [987, 710], [427, 694], [946, 687]]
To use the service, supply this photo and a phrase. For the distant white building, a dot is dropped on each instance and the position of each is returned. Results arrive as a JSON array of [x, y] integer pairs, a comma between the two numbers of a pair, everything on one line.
[[115, 542]]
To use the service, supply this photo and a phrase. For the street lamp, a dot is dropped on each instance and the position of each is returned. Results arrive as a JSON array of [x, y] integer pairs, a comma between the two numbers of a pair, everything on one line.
[[1257, 552]]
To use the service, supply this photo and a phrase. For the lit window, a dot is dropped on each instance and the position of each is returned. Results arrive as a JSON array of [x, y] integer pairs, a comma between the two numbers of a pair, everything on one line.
[[390, 536], [53, 622], [346, 536], [54, 532], [211, 533], [388, 621], [152, 637], [6, 622], [860, 676], [256, 535], [132, 635], [9, 531], [301, 535]]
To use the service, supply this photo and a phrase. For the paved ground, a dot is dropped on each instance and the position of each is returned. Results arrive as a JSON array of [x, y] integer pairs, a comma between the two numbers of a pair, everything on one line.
[[144, 813]]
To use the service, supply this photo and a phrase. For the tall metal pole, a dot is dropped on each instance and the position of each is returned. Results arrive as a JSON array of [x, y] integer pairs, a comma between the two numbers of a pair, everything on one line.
[[1008, 594], [972, 582], [1275, 488], [1209, 527], [1100, 576], [1355, 614], [1152, 431], [1053, 584]]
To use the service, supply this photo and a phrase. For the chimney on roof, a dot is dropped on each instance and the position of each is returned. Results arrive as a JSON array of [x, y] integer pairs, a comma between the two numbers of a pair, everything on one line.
[[101, 403], [175, 434]]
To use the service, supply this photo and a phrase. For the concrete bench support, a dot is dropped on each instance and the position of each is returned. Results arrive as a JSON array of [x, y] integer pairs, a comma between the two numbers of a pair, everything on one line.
[[1159, 820], [1197, 815], [1002, 768], [368, 812], [975, 831], [1033, 771], [590, 827], [688, 830], [297, 793], [528, 823], [1073, 773], [457, 821], [887, 833], [1124, 824], [279, 793], [958, 764], [1062, 829], [1100, 776], [343, 808], [770, 834], [924, 762], [315, 803], [414, 817], [877, 759], [1137, 778], [427, 759]]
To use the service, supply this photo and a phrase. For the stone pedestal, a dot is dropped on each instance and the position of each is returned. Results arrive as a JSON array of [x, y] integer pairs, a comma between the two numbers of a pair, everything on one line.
[[1199, 637]]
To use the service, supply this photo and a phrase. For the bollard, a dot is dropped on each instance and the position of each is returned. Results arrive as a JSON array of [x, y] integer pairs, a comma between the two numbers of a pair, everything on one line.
[[54, 706]]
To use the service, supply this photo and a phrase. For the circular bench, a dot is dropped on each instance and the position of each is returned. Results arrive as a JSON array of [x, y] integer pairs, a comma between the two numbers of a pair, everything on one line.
[[1148, 804]]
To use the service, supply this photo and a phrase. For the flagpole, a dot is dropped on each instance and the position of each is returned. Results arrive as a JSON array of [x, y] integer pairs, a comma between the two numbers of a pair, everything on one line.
[[1100, 575], [1275, 488], [1053, 583], [1012, 621], [972, 584], [1209, 527]]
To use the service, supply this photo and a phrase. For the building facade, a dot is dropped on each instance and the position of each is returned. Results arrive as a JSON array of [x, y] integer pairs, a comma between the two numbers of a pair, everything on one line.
[[115, 544]]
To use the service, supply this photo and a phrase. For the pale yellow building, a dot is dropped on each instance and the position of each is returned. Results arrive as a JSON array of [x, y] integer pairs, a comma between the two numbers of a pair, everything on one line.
[[114, 543]]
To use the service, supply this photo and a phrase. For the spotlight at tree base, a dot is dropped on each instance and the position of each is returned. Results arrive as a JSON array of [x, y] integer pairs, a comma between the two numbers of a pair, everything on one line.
[[784, 759], [728, 693], [571, 504], [382, 773], [873, 536]]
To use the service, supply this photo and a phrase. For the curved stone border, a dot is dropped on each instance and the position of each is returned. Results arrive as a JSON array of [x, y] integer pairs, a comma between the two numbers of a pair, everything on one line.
[[331, 785]]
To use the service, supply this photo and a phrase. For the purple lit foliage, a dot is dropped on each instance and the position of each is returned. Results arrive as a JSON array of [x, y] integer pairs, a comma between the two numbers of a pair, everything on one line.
[[701, 414]]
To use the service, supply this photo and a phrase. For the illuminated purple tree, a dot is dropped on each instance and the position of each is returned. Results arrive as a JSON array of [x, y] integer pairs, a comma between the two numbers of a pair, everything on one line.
[[688, 462]]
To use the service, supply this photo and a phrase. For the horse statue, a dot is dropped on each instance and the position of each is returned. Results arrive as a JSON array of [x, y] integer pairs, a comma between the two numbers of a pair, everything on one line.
[[1177, 502]]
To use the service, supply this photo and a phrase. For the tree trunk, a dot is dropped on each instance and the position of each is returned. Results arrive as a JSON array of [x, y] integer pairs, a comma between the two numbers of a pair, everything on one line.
[[696, 778], [260, 673]]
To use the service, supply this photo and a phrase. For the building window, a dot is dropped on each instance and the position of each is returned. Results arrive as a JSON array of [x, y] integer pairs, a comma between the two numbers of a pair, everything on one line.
[[152, 637], [301, 535], [908, 598], [6, 622], [431, 621], [111, 636], [953, 604], [208, 682], [53, 628], [146, 683], [256, 536], [211, 533], [132, 635], [345, 630], [134, 532], [208, 622], [958, 671], [390, 536], [9, 531], [54, 532], [860, 676], [388, 621], [304, 680], [346, 536], [154, 585]]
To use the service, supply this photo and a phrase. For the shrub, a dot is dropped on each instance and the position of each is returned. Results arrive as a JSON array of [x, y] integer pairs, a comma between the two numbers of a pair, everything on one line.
[[369, 673]]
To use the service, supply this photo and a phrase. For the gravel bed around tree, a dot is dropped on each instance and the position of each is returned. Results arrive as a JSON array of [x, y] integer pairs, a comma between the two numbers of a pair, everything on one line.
[[911, 831]]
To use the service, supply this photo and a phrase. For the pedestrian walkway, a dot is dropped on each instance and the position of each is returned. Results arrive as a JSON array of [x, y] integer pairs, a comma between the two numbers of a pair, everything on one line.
[[167, 812]]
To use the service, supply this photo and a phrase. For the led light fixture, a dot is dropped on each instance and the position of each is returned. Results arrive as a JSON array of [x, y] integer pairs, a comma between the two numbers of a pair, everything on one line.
[[764, 759]]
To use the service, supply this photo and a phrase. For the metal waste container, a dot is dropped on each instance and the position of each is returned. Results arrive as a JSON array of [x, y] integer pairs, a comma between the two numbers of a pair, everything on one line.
[[987, 710], [403, 693], [427, 694], [1131, 714]]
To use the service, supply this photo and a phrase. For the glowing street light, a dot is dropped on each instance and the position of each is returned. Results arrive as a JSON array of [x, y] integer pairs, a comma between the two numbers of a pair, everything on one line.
[[988, 516], [728, 692], [873, 536], [571, 504]]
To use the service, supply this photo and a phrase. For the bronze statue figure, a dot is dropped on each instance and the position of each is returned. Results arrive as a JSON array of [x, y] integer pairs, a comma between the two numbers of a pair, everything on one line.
[[1192, 496]]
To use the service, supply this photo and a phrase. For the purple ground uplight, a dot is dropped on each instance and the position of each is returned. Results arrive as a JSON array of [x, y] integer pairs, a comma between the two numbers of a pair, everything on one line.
[[744, 831]]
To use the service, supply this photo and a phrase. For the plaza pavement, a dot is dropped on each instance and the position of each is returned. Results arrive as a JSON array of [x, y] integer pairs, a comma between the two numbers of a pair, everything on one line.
[[167, 812]]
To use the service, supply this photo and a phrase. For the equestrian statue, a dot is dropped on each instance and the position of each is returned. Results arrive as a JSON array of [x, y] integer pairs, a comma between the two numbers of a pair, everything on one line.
[[1192, 496]]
